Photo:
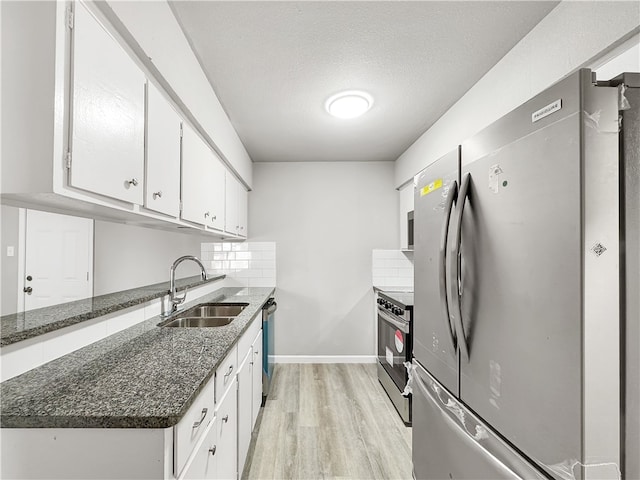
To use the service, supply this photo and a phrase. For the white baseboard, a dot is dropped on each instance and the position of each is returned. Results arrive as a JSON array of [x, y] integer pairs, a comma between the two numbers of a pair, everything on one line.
[[325, 358]]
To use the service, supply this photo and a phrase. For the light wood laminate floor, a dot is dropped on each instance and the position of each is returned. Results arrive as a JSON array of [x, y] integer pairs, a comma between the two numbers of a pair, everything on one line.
[[329, 421]]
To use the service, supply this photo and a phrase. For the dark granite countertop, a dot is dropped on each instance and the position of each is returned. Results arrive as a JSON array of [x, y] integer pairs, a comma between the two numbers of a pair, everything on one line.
[[142, 377], [21, 326]]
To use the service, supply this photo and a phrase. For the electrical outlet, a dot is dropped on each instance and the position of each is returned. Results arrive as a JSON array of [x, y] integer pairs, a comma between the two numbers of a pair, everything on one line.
[[11, 251]]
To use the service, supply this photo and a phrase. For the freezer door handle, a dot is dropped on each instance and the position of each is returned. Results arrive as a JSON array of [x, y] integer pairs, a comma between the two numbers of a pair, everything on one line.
[[452, 195], [454, 268]]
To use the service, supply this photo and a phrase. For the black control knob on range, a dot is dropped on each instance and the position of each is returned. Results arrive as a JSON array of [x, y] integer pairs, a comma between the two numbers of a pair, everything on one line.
[[380, 301]]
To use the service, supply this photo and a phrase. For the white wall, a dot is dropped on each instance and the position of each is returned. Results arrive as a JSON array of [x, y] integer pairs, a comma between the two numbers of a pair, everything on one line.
[[165, 48], [573, 35], [325, 218], [127, 256], [9, 265]]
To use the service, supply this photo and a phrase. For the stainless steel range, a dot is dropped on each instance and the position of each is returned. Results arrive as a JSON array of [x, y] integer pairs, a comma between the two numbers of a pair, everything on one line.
[[395, 344]]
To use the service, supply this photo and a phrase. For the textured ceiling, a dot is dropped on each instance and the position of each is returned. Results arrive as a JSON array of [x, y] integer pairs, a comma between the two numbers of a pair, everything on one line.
[[273, 65]]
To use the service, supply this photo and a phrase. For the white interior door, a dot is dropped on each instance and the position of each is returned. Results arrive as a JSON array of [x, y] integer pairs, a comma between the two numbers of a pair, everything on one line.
[[58, 259]]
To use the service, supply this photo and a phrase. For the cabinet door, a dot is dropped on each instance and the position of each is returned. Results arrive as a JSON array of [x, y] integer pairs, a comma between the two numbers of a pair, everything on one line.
[[227, 437], [231, 203], [406, 205], [162, 182], [203, 464], [107, 132], [195, 162], [215, 192], [256, 373], [243, 197], [245, 412]]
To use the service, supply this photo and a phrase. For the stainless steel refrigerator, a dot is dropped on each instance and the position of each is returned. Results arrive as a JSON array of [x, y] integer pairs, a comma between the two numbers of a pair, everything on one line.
[[517, 295]]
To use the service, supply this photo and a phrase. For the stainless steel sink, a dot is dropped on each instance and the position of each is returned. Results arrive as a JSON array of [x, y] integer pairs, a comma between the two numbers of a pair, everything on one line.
[[215, 310], [206, 315], [199, 322]]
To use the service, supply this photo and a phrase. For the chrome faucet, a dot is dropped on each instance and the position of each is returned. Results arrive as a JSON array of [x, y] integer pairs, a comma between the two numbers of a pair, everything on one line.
[[174, 298]]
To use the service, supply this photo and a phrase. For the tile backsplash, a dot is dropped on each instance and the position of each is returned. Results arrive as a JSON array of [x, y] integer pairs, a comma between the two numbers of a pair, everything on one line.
[[392, 268], [247, 264]]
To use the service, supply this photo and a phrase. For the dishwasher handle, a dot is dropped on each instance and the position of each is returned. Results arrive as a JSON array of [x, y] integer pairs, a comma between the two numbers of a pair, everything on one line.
[[269, 307]]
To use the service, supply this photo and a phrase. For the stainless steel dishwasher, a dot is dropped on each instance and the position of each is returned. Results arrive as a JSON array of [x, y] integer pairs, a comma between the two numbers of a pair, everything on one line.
[[268, 332]]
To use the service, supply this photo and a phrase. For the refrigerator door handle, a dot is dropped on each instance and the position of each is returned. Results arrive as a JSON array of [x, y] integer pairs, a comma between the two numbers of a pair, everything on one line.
[[454, 268], [452, 196]]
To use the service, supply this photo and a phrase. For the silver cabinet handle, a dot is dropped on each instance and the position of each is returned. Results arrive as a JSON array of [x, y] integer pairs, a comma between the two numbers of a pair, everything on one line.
[[157, 194], [212, 450], [202, 417], [452, 196], [27, 290], [229, 372], [225, 419], [206, 214], [454, 268], [133, 181]]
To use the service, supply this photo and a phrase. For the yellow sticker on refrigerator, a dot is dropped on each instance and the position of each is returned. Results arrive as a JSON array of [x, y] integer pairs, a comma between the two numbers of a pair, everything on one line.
[[432, 187]]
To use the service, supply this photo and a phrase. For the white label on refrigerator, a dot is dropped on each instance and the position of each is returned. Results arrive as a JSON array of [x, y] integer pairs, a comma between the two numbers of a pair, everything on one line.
[[546, 110], [389, 356], [494, 178]]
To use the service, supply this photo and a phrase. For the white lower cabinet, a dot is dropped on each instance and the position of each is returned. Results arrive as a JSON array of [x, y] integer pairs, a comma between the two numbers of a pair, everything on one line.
[[227, 435], [256, 374], [210, 441], [189, 429], [214, 456], [245, 416], [249, 395], [204, 459]]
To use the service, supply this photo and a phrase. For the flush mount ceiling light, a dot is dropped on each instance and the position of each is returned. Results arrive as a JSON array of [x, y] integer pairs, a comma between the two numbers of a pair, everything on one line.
[[349, 104]]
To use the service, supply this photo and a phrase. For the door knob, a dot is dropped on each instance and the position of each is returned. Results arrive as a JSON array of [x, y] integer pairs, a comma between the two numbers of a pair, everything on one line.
[[27, 290]]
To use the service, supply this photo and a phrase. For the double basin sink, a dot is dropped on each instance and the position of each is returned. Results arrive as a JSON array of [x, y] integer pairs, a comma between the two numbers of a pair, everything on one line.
[[206, 315]]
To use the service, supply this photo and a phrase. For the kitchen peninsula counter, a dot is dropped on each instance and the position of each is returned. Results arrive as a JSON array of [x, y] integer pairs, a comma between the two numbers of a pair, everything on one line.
[[24, 325], [143, 377]]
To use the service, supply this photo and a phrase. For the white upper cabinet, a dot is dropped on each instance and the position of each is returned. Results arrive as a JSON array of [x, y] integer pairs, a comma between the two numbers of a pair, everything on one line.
[[243, 210], [202, 182], [162, 182], [196, 157], [215, 192], [99, 142], [231, 204], [236, 207], [406, 206], [107, 126]]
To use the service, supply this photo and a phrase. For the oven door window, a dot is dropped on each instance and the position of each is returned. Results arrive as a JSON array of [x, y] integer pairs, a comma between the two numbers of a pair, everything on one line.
[[394, 348]]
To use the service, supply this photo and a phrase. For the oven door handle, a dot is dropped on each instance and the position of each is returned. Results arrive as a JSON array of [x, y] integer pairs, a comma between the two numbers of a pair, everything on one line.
[[402, 326]]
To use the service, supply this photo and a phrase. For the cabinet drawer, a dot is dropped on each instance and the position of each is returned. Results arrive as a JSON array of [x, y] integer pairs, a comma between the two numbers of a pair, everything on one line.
[[226, 373], [244, 344], [195, 421]]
